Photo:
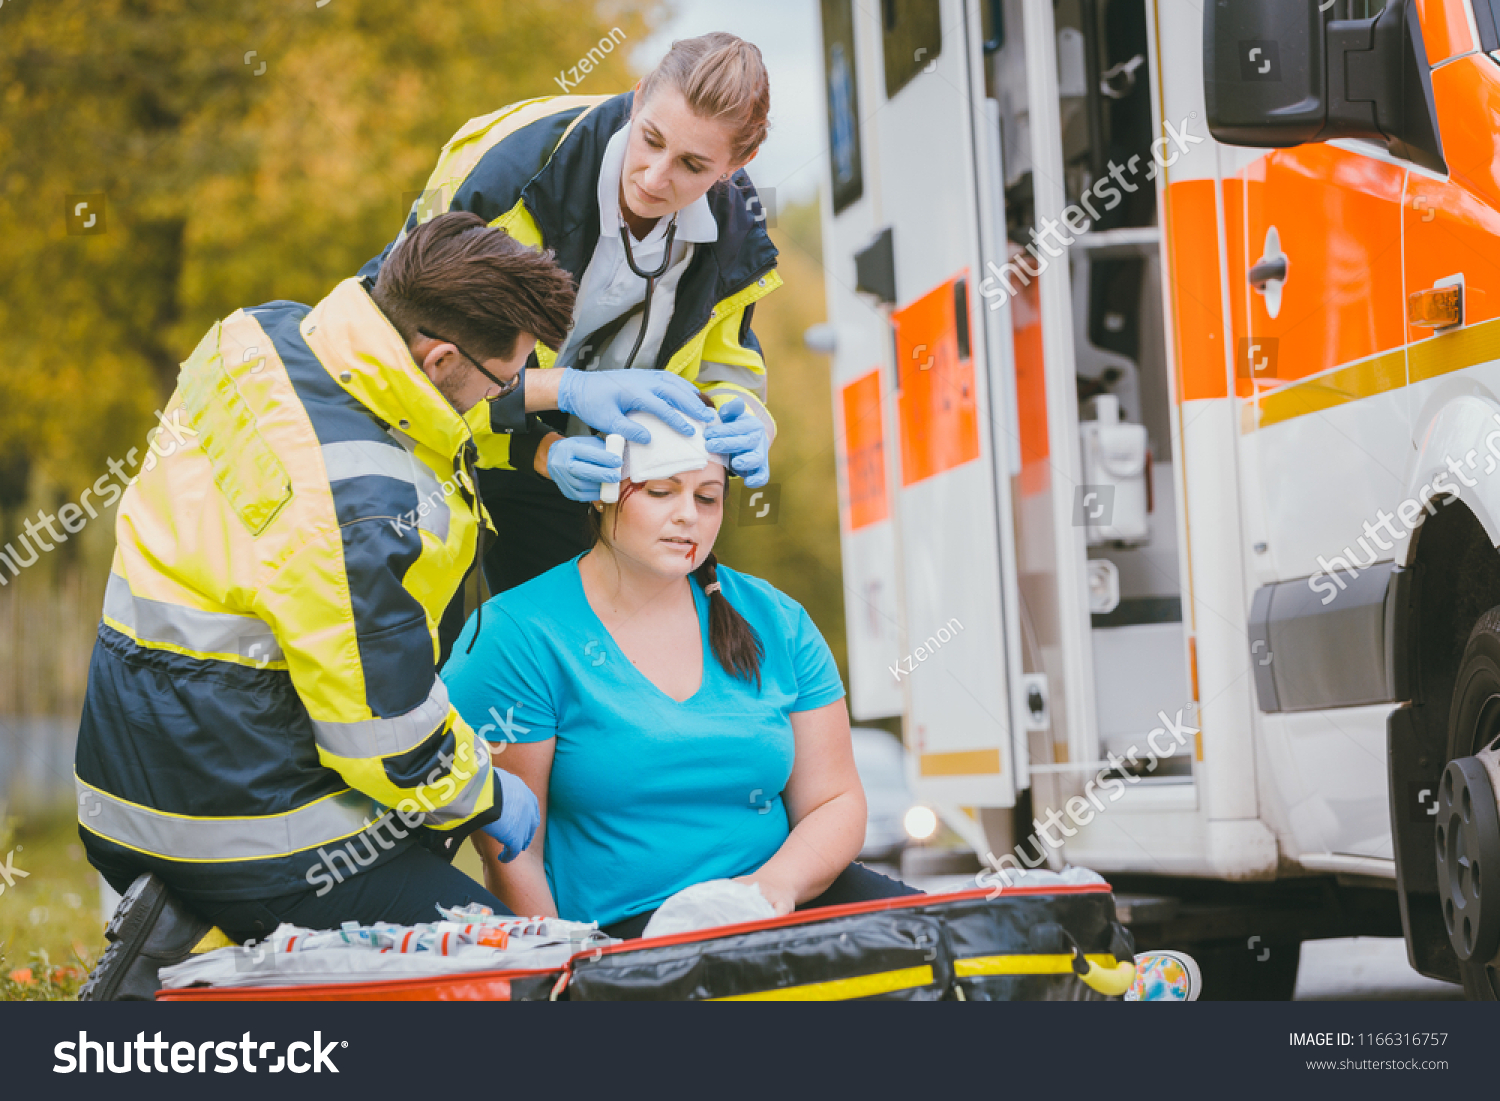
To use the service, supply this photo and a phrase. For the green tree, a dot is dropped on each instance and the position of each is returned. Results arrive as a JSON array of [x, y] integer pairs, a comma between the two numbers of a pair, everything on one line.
[[245, 151]]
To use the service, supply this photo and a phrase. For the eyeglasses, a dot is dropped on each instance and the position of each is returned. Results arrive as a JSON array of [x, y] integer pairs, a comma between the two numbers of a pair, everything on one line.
[[505, 387]]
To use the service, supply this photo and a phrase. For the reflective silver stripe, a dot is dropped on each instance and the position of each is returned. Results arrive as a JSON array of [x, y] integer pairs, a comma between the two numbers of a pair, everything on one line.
[[190, 628], [178, 837], [711, 371], [462, 805], [752, 403], [358, 458], [385, 737], [429, 492], [366, 458]]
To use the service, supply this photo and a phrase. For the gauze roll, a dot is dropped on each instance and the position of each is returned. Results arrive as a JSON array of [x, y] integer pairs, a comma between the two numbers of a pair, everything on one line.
[[668, 453]]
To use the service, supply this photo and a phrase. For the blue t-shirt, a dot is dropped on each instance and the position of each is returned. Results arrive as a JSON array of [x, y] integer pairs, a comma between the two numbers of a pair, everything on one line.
[[647, 795]]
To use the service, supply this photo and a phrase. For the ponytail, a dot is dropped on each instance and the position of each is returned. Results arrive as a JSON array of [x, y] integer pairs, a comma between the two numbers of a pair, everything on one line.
[[736, 646], [734, 642], [720, 76]]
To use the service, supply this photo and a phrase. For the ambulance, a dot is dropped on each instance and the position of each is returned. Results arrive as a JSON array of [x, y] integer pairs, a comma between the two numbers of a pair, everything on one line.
[[1165, 346]]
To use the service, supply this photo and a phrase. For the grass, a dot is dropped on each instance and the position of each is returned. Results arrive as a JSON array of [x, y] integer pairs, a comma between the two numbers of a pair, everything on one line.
[[51, 931]]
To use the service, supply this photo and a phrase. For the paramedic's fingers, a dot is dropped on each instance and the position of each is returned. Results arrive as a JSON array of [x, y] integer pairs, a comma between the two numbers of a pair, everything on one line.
[[578, 464], [519, 816], [733, 431], [675, 394], [601, 399], [741, 435], [754, 475]]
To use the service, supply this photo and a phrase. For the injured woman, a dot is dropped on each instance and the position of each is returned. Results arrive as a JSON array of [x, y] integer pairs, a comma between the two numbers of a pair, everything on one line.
[[679, 721]]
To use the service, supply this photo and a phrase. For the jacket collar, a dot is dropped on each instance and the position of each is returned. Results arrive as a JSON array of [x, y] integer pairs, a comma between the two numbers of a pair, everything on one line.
[[359, 347], [563, 200]]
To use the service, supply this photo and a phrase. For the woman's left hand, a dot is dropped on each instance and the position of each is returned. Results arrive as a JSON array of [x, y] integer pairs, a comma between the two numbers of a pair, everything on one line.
[[781, 897], [740, 434]]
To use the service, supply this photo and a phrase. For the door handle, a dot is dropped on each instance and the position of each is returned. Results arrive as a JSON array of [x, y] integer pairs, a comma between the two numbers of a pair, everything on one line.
[[1265, 270]]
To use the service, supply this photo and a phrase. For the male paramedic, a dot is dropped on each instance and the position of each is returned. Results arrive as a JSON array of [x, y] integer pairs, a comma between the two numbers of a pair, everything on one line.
[[264, 735]]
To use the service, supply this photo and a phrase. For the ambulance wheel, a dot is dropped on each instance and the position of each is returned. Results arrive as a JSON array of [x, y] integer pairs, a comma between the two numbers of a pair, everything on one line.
[[1467, 826], [1239, 972]]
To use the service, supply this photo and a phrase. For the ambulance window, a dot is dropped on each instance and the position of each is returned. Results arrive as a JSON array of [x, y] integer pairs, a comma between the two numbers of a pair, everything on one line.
[[1104, 103], [842, 92], [913, 34]]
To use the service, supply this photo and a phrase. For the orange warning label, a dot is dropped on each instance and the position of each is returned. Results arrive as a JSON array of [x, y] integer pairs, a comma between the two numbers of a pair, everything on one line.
[[939, 415], [864, 452]]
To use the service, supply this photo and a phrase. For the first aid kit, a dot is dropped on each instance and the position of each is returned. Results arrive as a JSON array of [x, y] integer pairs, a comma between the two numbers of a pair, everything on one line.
[[1048, 942], [470, 955]]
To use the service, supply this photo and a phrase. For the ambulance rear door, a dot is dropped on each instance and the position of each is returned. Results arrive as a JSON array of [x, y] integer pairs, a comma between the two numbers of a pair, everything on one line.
[[932, 149]]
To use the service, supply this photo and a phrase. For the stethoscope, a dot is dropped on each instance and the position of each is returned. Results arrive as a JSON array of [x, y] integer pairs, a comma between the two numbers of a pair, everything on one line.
[[650, 277]]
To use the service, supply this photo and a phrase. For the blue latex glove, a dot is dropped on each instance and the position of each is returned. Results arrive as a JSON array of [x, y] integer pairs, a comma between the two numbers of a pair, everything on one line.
[[740, 433], [602, 398], [519, 816], [578, 464]]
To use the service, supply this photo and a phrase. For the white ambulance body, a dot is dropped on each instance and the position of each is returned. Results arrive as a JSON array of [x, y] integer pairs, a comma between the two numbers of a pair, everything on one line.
[[1150, 448]]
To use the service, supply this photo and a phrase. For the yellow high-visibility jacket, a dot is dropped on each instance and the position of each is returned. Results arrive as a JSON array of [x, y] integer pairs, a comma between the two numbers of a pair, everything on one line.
[[264, 683], [532, 169]]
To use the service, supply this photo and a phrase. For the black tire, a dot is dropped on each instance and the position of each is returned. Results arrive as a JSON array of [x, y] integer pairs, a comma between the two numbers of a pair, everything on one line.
[[1240, 973], [1473, 724]]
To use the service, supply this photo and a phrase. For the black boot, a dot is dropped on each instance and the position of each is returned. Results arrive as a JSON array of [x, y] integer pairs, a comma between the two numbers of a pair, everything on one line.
[[149, 931]]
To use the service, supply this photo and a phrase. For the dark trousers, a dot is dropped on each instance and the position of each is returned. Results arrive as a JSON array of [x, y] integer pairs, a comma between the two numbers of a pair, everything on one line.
[[405, 890], [536, 527], [856, 883]]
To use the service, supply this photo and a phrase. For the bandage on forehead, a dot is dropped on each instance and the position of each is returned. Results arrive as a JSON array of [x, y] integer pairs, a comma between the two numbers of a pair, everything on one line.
[[668, 453]]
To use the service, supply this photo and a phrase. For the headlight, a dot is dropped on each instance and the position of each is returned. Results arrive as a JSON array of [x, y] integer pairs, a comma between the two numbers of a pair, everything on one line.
[[920, 823]]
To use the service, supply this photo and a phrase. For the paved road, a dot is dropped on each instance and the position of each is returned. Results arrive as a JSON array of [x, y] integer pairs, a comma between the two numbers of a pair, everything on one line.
[[1366, 969]]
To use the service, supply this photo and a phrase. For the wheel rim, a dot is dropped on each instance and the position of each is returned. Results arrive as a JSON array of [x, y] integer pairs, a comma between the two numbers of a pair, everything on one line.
[[1468, 854]]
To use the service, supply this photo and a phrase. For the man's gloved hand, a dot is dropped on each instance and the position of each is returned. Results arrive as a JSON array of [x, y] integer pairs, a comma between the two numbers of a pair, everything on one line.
[[740, 433], [519, 816], [602, 398], [578, 464]]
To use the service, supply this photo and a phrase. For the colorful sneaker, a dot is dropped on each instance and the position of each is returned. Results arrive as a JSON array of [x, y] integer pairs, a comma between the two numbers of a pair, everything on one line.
[[1165, 976]]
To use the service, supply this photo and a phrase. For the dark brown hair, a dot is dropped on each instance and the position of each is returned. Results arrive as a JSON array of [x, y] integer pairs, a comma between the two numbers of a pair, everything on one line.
[[461, 279], [721, 76], [736, 646]]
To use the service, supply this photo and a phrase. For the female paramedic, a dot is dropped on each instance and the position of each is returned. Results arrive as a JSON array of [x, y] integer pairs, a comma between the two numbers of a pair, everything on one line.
[[643, 200], [678, 721]]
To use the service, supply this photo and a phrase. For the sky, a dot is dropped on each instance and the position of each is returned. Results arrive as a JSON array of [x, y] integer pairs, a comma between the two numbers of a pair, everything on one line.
[[792, 159]]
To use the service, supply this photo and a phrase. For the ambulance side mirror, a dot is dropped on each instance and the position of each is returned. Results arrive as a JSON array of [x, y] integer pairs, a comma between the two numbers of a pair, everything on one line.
[[1279, 73]]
